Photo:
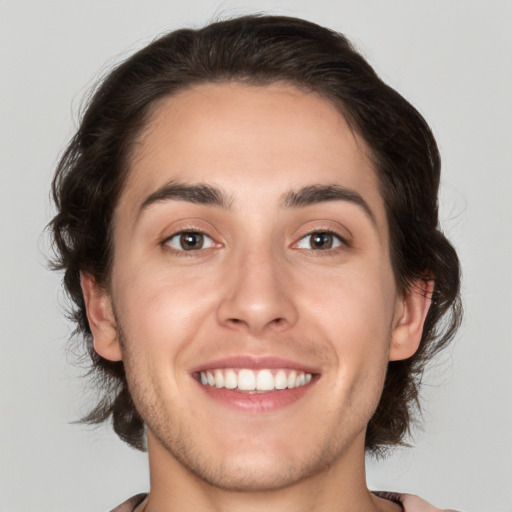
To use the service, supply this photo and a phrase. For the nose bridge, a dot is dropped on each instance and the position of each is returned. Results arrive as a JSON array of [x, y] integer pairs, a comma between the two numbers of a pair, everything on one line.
[[258, 295]]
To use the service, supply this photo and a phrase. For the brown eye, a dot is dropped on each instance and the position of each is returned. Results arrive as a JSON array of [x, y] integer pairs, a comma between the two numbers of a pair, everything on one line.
[[320, 241], [189, 241]]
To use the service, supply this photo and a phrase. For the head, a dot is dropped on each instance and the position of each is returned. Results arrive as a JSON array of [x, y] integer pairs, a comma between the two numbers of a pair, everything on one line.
[[261, 59]]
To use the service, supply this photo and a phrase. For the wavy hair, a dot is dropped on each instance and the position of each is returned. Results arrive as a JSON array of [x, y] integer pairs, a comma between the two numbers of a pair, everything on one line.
[[258, 50]]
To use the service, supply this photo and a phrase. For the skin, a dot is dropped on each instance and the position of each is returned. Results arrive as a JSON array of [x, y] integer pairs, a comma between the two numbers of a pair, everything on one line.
[[258, 287]]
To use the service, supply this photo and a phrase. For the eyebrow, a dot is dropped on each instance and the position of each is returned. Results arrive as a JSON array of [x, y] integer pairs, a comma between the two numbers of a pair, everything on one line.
[[315, 194], [198, 194], [213, 196]]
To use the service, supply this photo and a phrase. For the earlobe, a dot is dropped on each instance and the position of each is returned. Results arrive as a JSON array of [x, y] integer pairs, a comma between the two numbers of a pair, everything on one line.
[[101, 319], [409, 320]]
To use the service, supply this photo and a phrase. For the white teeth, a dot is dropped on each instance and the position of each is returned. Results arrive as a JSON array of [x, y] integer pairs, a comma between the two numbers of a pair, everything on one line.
[[264, 380], [254, 380], [292, 377], [246, 380], [230, 379], [219, 379], [281, 380]]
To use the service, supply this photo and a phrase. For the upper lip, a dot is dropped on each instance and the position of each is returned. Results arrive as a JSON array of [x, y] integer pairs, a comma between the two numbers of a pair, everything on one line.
[[254, 363]]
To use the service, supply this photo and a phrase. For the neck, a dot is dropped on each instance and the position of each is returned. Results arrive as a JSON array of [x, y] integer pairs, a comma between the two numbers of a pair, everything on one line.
[[340, 487]]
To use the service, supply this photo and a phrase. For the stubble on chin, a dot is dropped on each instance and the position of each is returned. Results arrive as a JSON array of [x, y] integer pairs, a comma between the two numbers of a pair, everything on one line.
[[176, 441]]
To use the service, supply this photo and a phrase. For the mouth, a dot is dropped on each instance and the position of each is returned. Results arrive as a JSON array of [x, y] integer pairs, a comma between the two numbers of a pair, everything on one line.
[[246, 380], [255, 384]]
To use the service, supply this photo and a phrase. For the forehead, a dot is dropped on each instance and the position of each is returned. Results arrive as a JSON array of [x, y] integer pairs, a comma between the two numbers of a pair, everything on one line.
[[254, 142]]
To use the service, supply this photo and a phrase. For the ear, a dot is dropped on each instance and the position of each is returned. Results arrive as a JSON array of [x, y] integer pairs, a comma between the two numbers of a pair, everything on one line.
[[410, 315], [101, 319]]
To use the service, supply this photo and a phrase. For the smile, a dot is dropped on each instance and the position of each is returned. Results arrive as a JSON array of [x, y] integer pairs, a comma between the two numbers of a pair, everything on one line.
[[262, 380]]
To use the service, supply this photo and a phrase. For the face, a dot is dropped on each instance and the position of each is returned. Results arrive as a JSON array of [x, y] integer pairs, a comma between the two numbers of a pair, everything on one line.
[[252, 297]]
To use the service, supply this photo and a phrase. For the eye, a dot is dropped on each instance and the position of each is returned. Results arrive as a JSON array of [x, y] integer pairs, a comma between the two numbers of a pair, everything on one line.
[[320, 241], [189, 241]]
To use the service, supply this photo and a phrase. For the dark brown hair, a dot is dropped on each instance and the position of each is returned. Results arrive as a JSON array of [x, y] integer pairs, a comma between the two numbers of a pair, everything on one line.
[[258, 50]]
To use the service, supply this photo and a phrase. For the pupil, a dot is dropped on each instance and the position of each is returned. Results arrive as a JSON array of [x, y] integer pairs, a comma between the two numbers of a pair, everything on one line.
[[191, 241], [321, 241]]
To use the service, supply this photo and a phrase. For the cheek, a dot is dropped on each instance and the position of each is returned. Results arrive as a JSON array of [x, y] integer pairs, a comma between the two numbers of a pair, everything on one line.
[[354, 312], [159, 305], [159, 314], [353, 302]]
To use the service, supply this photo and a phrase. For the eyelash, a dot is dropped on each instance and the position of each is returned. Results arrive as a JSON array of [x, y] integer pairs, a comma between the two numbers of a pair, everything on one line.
[[184, 252], [343, 243]]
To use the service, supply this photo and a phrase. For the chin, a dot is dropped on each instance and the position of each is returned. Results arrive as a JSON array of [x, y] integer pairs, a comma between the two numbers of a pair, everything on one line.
[[252, 475], [249, 470]]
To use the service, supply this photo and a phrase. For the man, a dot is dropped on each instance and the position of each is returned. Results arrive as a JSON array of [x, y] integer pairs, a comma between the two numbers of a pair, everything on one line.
[[247, 220]]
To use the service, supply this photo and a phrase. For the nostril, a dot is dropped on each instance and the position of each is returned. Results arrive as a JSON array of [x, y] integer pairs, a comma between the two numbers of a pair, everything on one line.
[[235, 322]]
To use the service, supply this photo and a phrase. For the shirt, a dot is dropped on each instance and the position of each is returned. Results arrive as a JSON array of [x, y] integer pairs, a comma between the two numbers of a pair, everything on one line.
[[409, 502]]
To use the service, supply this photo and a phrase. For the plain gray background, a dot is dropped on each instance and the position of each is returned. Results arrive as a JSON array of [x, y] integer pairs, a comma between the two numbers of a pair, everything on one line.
[[451, 59]]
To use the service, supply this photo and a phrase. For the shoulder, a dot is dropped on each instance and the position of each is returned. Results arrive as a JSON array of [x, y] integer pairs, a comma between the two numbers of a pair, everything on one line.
[[413, 503], [410, 502], [130, 504]]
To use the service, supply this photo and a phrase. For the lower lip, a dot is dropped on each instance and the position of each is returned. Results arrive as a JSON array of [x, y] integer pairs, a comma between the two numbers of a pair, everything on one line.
[[257, 402]]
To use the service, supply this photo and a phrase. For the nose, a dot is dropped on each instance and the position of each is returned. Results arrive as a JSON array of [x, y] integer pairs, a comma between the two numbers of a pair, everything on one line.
[[258, 295]]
